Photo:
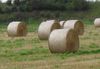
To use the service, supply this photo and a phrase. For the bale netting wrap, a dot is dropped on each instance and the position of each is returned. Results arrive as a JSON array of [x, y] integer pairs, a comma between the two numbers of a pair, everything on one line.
[[63, 40], [62, 23], [16, 29], [77, 25], [45, 29], [97, 22]]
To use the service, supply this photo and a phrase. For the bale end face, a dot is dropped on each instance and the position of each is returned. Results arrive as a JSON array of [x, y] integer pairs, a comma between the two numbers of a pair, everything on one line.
[[77, 25], [63, 40], [46, 28], [22, 29], [17, 29]]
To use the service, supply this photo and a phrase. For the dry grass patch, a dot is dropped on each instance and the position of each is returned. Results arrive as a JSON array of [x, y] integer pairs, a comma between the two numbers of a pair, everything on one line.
[[31, 53]]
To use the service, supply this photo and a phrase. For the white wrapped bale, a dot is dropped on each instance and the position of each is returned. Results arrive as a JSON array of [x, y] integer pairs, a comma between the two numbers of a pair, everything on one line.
[[46, 28], [63, 40], [17, 28], [77, 25], [97, 22]]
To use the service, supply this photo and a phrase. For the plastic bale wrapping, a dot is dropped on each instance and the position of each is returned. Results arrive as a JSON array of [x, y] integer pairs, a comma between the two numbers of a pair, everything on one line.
[[46, 28], [62, 23], [63, 40], [16, 29], [97, 22], [77, 25]]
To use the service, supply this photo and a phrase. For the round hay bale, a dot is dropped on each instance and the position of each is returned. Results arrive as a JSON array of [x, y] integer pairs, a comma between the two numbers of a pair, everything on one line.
[[63, 40], [45, 28], [16, 29], [77, 25], [97, 22], [62, 23]]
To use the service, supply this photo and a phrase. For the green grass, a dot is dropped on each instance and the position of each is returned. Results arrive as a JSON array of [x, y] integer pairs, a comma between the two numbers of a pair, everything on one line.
[[30, 49], [33, 25], [3, 27]]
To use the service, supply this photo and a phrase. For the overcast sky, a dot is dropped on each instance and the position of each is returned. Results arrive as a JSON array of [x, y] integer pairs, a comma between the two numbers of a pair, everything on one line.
[[3, 0]]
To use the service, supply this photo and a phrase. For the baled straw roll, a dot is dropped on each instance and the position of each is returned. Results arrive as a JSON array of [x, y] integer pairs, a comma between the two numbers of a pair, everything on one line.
[[62, 23], [77, 25], [45, 28], [97, 22], [63, 40], [17, 28]]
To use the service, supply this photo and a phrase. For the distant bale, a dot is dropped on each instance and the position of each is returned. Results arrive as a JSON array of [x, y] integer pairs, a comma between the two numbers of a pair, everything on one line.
[[62, 23], [63, 40], [97, 22], [16, 29], [46, 28], [77, 25]]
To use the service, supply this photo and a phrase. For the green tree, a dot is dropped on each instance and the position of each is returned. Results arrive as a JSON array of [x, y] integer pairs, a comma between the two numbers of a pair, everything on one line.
[[16, 5], [77, 5], [9, 2]]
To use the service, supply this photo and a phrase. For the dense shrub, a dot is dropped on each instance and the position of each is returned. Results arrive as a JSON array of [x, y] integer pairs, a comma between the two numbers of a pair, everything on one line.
[[52, 5], [41, 9], [77, 5]]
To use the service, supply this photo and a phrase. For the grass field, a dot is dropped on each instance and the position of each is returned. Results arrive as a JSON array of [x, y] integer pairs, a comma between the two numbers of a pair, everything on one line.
[[31, 53]]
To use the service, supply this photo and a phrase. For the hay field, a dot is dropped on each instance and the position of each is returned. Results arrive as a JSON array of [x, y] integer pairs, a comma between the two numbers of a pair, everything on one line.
[[31, 53]]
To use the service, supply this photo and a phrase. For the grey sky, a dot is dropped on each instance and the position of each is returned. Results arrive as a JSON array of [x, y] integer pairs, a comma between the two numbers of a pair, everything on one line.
[[3, 0]]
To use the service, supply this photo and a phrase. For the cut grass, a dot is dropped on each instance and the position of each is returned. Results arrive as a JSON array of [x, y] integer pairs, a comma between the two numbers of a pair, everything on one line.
[[29, 52]]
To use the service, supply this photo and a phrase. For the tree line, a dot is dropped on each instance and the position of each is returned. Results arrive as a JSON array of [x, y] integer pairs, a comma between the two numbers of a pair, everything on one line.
[[51, 5]]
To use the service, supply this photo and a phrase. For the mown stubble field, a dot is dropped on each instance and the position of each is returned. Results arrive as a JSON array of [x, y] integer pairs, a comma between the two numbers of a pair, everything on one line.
[[31, 53]]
